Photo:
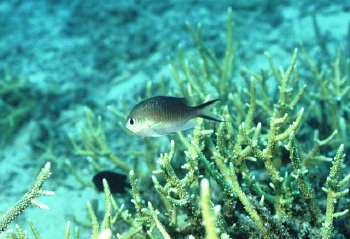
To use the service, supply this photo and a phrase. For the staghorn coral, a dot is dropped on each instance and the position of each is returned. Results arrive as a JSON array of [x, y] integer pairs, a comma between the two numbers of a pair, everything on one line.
[[28, 199], [15, 103], [229, 159]]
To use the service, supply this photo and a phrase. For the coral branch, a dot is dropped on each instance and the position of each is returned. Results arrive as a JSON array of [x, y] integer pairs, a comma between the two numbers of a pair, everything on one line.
[[28, 199]]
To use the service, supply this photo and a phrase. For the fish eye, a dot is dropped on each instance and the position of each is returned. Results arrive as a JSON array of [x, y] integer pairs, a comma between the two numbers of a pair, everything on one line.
[[131, 121]]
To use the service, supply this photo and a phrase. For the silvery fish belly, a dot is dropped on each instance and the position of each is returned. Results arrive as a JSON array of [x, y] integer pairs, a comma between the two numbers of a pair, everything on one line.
[[161, 115]]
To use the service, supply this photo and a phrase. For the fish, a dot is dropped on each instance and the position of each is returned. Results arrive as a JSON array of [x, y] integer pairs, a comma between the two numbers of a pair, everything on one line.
[[117, 182], [162, 115]]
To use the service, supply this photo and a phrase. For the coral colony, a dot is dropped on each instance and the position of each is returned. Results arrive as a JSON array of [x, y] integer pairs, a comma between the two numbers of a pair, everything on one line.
[[267, 170]]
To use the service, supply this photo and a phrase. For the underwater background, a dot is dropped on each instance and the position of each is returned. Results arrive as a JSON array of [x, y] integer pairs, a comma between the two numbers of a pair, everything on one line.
[[65, 62]]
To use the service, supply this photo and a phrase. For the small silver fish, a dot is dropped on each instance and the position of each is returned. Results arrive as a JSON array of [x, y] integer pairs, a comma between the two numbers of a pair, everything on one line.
[[161, 115]]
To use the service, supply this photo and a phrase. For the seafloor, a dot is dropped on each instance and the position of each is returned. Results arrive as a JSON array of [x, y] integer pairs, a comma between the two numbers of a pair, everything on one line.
[[73, 53]]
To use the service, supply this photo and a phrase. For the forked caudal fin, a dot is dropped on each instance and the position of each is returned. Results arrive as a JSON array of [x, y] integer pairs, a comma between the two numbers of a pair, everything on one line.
[[204, 111]]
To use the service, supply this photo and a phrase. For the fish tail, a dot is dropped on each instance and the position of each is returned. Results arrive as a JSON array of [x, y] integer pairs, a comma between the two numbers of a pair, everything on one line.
[[204, 111]]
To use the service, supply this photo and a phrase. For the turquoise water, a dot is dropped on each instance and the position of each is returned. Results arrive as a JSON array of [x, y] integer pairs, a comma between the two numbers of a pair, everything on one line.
[[72, 54]]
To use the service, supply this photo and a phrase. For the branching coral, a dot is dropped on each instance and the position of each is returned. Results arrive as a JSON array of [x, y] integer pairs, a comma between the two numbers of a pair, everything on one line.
[[230, 158], [210, 71], [299, 173], [15, 103], [28, 199], [329, 97], [94, 147], [333, 193], [251, 176]]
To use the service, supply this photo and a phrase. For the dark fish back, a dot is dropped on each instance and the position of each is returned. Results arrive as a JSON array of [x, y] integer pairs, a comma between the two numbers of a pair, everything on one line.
[[167, 109]]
